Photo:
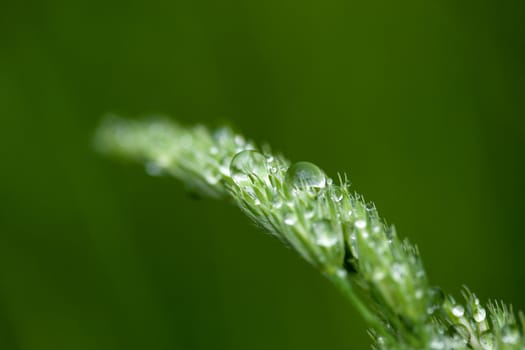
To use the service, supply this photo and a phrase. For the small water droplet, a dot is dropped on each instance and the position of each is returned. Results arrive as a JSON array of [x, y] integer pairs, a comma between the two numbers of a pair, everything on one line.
[[458, 311], [419, 294], [239, 140], [305, 175], [308, 214], [214, 150], [153, 169], [398, 272], [480, 314], [245, 163], [341, 273], [437, 344], [337, 194], [379, 274], [487, 340], [459, 333], [360, 224], [437, 297], [212, 178], [290, 219], [277, 203], [509, 335], [325, 234]]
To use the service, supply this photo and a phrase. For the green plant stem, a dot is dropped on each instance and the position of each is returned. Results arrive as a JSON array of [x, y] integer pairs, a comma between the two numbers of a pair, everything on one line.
[[332, 228]]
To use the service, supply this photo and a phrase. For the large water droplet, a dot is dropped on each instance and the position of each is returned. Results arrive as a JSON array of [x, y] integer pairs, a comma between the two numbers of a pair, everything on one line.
[[325, 234], [245, 163], [305, 175]]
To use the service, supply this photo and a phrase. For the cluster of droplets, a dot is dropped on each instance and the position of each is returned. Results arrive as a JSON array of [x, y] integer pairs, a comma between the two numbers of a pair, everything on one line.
[[291, 204], [330, 227]]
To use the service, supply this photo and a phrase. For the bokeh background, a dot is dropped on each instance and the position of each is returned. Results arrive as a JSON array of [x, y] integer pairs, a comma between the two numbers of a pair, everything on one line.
[[421, 102]]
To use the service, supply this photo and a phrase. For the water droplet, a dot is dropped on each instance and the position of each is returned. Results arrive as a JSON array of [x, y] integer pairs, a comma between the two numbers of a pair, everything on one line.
[[370, 207], [398, 272], [245, 163], [360, 224], [419, 294], [290, 219], [214, 150], [459, 333], [239, 140], [458, 311], [277, 203], [222, 135], [337, 194], [212, 177], [487, 340], [379, 274], [480, 314], [308, 214], [325, 234], [341, 273], [509, 335], [437, 297], [305, 175], [153, 169], [437, 344]]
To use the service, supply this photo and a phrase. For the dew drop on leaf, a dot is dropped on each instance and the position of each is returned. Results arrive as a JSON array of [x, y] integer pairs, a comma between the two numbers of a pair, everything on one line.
[[509, 335], [458, 310], [325, 234], [245, 163], [305, 175], [480, 314]]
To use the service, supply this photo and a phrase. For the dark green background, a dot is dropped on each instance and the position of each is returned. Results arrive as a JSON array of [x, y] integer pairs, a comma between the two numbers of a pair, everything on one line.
[[421, 102]]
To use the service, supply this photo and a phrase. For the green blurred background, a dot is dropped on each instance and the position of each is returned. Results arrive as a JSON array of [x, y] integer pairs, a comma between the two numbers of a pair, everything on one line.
[[421, 102]]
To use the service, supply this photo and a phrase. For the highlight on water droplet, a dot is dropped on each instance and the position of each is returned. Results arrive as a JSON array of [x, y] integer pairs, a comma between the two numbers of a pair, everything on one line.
[[305, 175], [245, 163]]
